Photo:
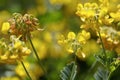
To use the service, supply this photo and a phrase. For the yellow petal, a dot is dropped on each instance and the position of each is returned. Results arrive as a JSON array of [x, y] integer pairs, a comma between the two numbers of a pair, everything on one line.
[[18, 44], [71, 36], [4, 57], [5, 27], [13, 56]]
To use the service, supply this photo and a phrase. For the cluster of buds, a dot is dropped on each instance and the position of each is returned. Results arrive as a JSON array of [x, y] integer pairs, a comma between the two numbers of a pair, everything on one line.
[[13, 50], [22, 25]]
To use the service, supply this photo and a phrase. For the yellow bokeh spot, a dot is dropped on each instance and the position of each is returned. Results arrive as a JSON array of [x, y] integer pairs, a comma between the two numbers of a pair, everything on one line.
[[9, 78], [47, 37]]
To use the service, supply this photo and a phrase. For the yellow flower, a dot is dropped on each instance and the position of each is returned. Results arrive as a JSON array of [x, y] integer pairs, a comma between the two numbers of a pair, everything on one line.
[[26, 51], [18, 44], [115, 16], [87, 5], [80, 54], [61, 39], [87, 11], [70, 50], [71, 36], [106, 20], [4, 57], [5, 27], [83, 36], [94, 5], [103, 12], [81, 40], [80, 7], [14, 56]]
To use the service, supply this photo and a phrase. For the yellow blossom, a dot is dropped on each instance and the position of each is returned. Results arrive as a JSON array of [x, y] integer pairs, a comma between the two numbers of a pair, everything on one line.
[[70, 50], [87, 11], [18, 44], [80, 54], [83, 36], [71, 36], [61, 39], [15, 56], [81, 39], [4, 57], [103, 12], [26, 51], [80, 7], [106, 20], [115, 16], [5, 27]]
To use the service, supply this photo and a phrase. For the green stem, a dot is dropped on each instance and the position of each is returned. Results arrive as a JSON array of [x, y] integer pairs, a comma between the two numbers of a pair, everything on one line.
[[102, 45], [34, 49], [109, 75], [36, 54], [26, 70]]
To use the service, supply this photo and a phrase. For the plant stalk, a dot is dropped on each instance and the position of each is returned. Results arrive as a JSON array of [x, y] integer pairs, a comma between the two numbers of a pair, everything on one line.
[[26, 70], [102, 45], [39, 61]]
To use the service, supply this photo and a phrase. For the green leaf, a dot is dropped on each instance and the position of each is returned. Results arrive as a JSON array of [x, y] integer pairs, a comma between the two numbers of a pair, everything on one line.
[[101, 74], [69, 72]]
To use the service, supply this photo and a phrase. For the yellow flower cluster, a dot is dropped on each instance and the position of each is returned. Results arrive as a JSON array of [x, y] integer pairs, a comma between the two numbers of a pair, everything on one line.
[[103, 20], [13, 50], [110, 38], [87, 11], [73, 41], [22, 25], [94, 15]]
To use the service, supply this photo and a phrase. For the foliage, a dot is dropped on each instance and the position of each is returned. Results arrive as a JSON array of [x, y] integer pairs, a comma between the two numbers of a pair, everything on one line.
[[69, 72]]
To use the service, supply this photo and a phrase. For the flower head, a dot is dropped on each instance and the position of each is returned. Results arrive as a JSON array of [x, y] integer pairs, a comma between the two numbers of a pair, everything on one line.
[[23, 25]]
